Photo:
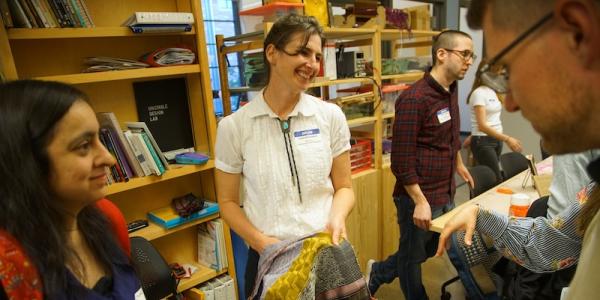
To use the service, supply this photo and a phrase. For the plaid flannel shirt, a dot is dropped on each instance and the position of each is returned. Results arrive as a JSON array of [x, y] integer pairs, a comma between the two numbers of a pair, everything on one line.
[[425, 143]]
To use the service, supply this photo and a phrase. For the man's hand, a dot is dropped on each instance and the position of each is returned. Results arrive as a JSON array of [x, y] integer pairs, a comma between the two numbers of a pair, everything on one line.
[[465, 219], [422, 215], [463, 172]]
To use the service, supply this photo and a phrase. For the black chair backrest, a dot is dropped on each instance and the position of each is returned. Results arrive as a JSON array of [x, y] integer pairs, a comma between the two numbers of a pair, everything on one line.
[[484, 178], [513, 163], [152, 269]]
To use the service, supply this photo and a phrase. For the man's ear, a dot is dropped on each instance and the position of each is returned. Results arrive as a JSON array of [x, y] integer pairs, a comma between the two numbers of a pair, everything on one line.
[[581, 20], [441, 55], [270, 52]]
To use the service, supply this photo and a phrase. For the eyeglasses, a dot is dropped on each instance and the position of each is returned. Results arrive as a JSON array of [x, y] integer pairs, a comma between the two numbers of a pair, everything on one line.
[[498, 81], [464, 54]]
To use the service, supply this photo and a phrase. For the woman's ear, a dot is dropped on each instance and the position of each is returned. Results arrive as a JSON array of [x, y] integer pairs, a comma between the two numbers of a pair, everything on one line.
[[270, 54]]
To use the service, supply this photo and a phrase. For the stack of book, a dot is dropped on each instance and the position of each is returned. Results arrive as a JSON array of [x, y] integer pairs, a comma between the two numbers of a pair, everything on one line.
[[152, 22], [135, 150], [211, 245], [45, 13]]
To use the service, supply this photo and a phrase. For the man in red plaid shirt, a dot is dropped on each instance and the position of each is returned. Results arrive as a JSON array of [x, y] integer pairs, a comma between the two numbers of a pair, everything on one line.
[[425, 155]]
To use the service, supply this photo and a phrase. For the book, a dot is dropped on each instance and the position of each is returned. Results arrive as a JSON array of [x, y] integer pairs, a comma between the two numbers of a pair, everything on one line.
[[160, 18], [161, 168], [168, 218], [6, 16], [141, 126], [141, 144], [19, 17], [138, 154], [227, 282], [160, 28], [113, 149], [164, 107], [211, 245], [109, 120]]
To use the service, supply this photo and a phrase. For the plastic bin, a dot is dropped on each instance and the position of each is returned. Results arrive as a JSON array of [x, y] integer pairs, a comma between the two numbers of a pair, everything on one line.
[[360, 155]]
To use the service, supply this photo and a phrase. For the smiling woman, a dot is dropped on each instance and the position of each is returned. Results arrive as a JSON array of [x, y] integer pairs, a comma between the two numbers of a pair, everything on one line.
[[288, 150], [52, 168]]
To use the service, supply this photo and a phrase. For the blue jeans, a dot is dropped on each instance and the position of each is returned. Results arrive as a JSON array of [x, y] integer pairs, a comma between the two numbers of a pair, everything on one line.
[[416, 245], [486, 151]]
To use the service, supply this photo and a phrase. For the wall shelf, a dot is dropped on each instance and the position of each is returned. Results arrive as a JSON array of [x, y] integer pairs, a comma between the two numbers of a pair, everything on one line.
[[70, 33], [174, 172], [122, 75]]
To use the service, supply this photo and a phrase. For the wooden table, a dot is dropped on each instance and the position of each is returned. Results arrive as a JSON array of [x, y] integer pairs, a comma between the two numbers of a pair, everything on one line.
[[498, 202]]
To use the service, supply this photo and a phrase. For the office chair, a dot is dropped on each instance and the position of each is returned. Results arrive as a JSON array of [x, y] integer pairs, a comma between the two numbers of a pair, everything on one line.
[[152, 269], [484, 178], [513, 163], [464, 258]]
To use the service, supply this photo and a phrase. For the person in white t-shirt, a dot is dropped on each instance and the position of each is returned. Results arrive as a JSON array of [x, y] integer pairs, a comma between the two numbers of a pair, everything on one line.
[[284, 156], [486, 127]]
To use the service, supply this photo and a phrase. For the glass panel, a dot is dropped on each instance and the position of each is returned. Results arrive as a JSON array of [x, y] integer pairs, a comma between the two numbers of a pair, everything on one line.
[[227, 29], [234, 76], [218, 10]]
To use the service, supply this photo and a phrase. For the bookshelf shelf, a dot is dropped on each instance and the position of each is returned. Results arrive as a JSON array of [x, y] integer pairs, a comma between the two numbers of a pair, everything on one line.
[[361, 121], [321, 82], [388, 116], [154, 231], [122, 75], [201, 275], [395, 34], [69, 33], [407, 77], [174, 172]]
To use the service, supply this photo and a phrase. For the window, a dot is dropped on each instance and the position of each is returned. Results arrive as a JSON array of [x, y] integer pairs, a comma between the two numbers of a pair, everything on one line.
[[221, 17]]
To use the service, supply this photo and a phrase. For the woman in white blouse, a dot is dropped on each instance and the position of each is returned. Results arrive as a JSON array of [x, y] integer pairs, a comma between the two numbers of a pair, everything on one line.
[[486, 127], [284, 156]]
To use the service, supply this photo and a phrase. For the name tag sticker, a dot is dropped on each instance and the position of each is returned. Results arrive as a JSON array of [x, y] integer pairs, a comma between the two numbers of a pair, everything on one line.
[[443, 115], [307, 136]]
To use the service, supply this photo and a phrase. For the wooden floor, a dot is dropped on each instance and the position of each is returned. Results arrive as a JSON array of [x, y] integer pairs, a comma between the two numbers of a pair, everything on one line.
[[435, 271]]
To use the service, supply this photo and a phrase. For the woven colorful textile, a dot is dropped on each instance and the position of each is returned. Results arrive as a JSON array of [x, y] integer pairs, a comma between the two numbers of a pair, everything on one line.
[[310, 267]]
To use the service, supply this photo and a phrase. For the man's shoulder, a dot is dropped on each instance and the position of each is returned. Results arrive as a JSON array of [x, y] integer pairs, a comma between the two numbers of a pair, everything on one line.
[[417, 92]]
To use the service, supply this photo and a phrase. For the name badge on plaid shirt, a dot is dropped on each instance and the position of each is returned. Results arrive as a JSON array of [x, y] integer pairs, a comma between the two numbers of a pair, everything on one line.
[[443, 115]]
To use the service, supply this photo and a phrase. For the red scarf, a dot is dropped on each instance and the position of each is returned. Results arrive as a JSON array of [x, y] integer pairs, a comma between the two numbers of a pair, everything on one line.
[[18, 275]]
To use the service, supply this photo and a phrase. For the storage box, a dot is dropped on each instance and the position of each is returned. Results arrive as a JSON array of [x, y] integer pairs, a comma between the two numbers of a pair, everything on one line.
[[272, 11], [360, 155]]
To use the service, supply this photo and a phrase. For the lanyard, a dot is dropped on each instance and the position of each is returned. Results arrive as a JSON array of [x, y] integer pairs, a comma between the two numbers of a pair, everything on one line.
[[289, 150]]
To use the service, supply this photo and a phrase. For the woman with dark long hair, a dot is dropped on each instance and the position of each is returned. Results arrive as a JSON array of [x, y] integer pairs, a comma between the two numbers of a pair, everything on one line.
[[54, 242], [487, 135]]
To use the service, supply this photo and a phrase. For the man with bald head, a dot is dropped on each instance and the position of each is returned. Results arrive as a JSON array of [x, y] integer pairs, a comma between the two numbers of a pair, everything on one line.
[[549, 52]]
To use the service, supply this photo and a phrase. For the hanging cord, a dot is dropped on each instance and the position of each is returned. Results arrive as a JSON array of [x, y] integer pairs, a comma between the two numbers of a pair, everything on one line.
[[285, 129]]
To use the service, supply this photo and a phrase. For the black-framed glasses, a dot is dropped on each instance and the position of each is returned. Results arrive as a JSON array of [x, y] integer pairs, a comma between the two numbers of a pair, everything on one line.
[[464, 54], [498, 81]]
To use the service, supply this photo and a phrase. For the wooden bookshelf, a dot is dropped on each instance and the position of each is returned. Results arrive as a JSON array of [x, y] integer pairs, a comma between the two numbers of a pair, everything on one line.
[[58, 54]]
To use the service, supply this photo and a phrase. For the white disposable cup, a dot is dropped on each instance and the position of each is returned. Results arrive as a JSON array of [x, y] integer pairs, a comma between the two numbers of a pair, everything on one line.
[[519, 204]]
